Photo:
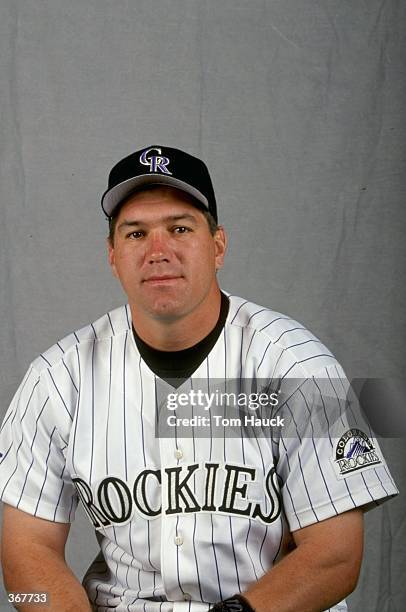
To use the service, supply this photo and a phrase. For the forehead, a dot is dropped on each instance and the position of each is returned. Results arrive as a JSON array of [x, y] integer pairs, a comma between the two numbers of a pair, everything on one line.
[[153, 201]]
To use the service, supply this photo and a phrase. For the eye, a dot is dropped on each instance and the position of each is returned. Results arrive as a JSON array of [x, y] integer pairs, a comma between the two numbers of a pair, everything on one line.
[[135, 235], [181, 229]]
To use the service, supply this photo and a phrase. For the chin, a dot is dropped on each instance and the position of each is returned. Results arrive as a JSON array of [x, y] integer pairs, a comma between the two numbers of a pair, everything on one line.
[[167, 309]]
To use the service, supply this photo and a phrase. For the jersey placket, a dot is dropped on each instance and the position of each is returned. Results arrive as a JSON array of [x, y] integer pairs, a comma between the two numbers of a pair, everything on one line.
[[177, 455]]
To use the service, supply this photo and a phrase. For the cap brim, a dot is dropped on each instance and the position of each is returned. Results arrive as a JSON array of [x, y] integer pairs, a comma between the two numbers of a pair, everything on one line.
[[113, 197]]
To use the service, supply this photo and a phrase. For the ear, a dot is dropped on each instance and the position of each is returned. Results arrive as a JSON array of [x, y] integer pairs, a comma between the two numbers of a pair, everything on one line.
[[220, 240], [111, 256]]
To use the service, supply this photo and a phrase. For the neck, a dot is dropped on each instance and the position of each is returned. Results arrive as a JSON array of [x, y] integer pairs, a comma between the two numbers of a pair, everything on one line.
[[181, 333]]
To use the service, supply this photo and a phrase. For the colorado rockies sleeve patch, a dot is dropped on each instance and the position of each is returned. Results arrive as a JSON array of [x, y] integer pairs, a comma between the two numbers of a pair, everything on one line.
[[354, 451]]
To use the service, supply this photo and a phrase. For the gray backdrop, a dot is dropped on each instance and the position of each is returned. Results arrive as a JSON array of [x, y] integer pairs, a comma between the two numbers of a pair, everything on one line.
[[298, 108]]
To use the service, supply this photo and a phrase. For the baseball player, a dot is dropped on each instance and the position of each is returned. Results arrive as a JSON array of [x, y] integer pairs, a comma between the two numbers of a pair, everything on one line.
[[196, 505]]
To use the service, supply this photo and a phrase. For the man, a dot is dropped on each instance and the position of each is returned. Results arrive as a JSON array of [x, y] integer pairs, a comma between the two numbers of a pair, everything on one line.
[[212, 513]]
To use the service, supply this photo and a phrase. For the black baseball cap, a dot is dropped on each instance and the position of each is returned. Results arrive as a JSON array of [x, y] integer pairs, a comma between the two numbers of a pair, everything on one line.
[[159, 165]]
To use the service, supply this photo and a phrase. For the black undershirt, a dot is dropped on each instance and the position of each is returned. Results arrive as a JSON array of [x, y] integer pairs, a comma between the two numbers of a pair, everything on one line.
[[176, 366]]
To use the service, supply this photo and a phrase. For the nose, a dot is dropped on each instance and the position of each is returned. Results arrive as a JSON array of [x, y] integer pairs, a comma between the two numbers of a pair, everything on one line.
[[157, 248]]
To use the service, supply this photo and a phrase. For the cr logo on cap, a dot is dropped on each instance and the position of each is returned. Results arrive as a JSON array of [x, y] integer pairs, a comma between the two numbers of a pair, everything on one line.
[[155, 162]]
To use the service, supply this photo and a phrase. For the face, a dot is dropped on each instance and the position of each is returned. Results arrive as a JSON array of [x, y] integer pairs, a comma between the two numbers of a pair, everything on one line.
[[165, 256]]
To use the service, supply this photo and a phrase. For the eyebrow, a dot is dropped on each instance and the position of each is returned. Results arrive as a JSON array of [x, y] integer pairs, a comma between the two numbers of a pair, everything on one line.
[[169, 218]]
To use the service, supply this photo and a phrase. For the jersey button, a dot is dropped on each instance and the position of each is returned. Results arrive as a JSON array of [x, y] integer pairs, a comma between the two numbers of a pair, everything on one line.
[[178, 453], [187, 596], [178, 540]]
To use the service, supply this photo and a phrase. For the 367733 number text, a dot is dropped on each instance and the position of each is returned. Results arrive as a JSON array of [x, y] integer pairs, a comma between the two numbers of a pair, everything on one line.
[[15, 597]]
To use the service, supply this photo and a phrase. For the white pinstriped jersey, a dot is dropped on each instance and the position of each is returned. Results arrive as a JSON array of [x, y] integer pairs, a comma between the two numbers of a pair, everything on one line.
[[181, 522]]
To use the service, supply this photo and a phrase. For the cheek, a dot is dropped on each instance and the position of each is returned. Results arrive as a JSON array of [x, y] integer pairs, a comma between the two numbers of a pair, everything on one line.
[[125, 263], [128, 252], [205, 263]]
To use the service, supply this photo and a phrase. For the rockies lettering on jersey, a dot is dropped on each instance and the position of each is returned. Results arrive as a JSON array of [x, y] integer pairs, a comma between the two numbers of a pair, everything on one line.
[[115, 499]]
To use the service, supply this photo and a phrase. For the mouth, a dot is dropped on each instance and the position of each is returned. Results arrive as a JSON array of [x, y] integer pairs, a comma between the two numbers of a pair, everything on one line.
[[161, 280]]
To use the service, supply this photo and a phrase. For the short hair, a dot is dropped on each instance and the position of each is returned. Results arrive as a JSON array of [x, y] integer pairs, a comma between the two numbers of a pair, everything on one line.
[[213, 225]]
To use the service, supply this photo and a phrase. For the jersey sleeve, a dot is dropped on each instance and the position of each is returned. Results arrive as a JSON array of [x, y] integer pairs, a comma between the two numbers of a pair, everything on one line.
[[329, 459], [33, 474]]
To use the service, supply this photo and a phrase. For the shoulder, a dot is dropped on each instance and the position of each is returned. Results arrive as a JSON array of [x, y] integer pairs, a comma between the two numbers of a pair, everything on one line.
[[280, 332], [110, 325]]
